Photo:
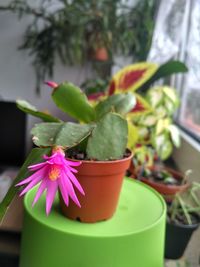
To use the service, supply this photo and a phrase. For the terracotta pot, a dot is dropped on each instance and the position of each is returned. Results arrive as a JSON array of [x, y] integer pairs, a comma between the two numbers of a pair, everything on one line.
[[101, 54], [102, 182], [164, 189]]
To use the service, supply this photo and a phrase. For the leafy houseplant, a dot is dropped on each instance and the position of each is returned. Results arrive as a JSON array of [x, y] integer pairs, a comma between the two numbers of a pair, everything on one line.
[[183, 219], [77, 31], [158, 135]]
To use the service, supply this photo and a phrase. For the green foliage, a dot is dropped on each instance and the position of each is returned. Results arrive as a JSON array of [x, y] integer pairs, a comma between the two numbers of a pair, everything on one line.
[[185, 205], [92, 86], [108, 140], [165, 70], [120, 103], [76, 29], [30, 109], [73, 101], [63, 134], [157, 128], [34, 157]]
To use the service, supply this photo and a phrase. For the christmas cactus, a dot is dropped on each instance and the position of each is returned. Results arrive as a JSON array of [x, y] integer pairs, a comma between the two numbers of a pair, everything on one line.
[[101, 134], [106, 125]]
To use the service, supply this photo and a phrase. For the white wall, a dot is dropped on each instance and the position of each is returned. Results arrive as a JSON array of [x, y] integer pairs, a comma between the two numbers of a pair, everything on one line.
[[17, 78]]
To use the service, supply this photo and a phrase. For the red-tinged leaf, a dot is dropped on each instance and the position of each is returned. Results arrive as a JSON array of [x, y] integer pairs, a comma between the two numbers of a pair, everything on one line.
[[142, 107], [131, 77], [112, 87], [95, 96]]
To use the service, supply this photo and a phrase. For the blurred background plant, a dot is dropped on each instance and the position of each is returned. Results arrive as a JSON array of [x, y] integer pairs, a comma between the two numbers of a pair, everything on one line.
[[156, 130], [77, 31], [152, 133]]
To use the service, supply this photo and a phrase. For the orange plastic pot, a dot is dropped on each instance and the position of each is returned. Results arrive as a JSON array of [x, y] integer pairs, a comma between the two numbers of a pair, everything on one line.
[[101, 54], [102, 182]]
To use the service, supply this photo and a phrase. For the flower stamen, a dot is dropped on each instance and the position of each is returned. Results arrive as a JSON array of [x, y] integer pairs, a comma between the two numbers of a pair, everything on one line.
[[54, 173]]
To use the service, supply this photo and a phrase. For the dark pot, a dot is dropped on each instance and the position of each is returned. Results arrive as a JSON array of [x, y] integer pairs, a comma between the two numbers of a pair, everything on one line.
[[177, 239]]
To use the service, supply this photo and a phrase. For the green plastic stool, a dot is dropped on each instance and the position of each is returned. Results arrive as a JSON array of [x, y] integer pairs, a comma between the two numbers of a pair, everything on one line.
[[134, 237]]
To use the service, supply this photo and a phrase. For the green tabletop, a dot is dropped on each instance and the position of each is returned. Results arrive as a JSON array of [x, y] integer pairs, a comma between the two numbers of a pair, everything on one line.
[[133, 237], [139, 208]]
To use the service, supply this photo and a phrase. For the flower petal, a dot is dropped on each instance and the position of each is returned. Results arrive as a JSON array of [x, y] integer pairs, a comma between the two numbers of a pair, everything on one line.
[[63, 191], [36, 166], [40, 191], [31, 185], [70, 189], [75, 181], [51, 192], [32, 177], [72, 163]]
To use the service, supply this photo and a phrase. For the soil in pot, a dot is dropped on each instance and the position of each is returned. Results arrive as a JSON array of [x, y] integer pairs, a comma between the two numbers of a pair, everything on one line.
[[102, 182], [178, 235]]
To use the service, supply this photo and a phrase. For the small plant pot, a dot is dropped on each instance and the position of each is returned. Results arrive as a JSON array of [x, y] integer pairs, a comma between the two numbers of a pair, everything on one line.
[[101, 54], [166, 190], [102, 182], [177, 239]]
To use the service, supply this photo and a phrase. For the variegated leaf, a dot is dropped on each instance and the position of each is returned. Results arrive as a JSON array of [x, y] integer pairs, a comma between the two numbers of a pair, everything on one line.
[[131, 77], [175, 135]]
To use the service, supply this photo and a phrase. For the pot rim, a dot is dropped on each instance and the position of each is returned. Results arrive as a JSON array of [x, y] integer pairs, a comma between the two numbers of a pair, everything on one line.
[[185, 226], [178, 175], [105, 161]]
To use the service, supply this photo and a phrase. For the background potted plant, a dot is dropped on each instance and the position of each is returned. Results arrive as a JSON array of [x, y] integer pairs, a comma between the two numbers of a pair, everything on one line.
[[152, 133], [183, 218], [103, 29], [158, 135]]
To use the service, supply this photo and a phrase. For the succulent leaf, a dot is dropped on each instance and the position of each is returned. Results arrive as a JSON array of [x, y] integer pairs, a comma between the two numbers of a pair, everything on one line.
[[30, 109], [74, 102], [63, 134], [108, 140], [120, 103]]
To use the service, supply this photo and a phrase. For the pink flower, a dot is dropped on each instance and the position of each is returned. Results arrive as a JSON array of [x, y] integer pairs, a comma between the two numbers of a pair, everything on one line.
[[56, 172]]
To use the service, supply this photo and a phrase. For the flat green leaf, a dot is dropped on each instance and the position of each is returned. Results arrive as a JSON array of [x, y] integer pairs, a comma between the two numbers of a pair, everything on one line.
[[35, 156], [163, 146], [167, 69], [155, 96], [74, 102], [171, 93], [148, 120], [109, 138], [30, 109], [175, 135], [67, 134], [120, 103]]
